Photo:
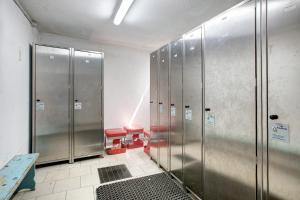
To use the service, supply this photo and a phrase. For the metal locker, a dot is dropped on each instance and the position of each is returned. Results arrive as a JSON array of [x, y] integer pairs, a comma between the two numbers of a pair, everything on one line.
[[164, 107], [192, 111], [230, 105], [154, 139], [88, 122], [50, 109], [283, 99], [176, 122]]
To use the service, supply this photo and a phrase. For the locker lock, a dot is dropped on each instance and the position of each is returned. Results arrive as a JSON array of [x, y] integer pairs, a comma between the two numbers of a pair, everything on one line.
[[274, 117], [187, 106], [207, 109], [160, 103], [151, 101], [76, 100], [172, 104], [38, 100]]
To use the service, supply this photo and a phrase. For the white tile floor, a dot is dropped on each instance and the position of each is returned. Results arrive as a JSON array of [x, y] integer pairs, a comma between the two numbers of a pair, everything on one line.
[[80, 180]]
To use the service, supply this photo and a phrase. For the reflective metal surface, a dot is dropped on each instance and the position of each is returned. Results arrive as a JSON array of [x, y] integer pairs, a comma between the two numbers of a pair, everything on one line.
[[88, 129], [164, 107], [51, 103], [154, 139], [176, 123], [230, 102], [283, 99], [192, 111]]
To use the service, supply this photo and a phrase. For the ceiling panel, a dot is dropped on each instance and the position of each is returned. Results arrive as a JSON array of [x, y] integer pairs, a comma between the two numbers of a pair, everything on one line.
[[148, 24]]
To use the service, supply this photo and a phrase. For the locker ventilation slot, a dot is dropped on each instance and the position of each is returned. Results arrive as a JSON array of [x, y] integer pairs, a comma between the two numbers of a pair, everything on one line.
[[113, 173], [154, 187]]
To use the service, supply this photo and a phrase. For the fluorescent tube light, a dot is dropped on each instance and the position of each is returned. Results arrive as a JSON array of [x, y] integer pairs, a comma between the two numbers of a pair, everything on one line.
[[124, 7]]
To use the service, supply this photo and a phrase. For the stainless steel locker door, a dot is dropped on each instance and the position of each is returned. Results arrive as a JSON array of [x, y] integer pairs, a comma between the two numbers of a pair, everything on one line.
[[51, 111], [88, 129], [176, 123], [154, 138], [192, 101], [284, 99], [230, 105], [164, 107]]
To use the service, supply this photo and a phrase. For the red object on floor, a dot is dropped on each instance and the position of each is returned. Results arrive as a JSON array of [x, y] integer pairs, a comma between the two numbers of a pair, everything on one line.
[[147, 143], [134, 133], [116, 139]]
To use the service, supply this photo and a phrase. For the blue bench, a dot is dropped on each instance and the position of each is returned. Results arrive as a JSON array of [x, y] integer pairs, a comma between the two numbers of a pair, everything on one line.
[[17, 174]]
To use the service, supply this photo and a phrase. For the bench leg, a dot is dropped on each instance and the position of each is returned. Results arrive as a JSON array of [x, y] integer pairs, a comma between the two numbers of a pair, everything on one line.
[[28, 182]]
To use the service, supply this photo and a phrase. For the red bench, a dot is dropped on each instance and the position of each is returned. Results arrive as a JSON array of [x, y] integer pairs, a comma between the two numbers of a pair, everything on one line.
[[115, 141]]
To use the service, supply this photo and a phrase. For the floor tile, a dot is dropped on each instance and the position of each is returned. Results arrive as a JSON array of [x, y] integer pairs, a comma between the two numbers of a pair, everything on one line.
[[86, 193], [57, 174], [55, 196], [40, 189], [67, 184], [89, 180], [80, 171]]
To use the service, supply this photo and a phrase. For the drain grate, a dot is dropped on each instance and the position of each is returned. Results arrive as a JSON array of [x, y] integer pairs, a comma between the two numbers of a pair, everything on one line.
[[113, 173], [158, 186]]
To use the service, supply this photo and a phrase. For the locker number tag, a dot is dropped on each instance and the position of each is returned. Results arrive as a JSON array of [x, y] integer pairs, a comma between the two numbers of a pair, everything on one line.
[[210, 120], [78, 106], [280, 132], [161, 108], [173, 111], [40, 106], [188, 114]]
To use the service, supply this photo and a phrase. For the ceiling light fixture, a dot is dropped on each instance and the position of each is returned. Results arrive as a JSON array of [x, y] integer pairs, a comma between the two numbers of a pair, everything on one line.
[[124, 7]]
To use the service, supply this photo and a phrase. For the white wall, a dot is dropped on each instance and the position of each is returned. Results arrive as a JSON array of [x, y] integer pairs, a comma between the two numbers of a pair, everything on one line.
[[15, 36], [126, 80]]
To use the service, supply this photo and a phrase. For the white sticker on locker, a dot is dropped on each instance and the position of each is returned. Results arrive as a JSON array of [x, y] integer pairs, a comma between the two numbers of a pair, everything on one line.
[[173, 111], [161, 108], [188, 114], [40, 106], [210, 120], [280, 132], [78, 106]]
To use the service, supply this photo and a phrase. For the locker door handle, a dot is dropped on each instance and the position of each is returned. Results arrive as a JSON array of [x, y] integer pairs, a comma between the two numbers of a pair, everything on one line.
[[151, 101], [172, 104], [207, 109], [76, 100], [38, 100], [160, 103], [187, 106], [274, 117]]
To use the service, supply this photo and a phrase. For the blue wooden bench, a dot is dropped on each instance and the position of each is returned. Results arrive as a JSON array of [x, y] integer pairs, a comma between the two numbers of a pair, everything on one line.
[[17, 174]]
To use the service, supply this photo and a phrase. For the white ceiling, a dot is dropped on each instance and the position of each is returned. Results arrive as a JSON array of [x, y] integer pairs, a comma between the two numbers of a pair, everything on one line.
[[149, 23]]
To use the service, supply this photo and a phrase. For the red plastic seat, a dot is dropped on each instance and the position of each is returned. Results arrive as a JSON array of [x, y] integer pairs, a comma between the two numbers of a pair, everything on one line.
[[117, 132]]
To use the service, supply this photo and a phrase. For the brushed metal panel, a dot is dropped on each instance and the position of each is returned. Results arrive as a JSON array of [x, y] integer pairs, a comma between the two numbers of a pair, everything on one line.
[[230, 125], [154, 139], [284, 97], [176, 123], [51, 130], [164, 107], [192, 101], [88, 130]]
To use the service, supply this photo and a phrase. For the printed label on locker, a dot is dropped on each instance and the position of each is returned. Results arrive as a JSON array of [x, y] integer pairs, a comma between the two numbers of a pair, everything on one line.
[[78, 106], [173, 111], [40, 106], [188, 114], [161, 108], [280, 132], [210, 120]]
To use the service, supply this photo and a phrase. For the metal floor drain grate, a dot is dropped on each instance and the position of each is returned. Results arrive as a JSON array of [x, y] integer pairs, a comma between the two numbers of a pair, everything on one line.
[[113, 173], [154, 187]]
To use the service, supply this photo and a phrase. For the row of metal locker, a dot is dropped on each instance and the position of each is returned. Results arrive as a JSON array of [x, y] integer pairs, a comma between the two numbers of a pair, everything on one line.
[[224, 104], [67, 103]]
